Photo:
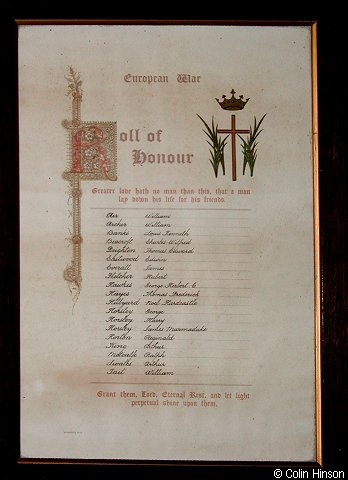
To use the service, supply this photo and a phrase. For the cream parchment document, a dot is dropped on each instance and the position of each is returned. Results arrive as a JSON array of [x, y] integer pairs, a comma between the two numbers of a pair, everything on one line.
[[167, 250]]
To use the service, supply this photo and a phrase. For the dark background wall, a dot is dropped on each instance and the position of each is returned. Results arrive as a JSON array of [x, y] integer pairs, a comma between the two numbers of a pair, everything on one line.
[[333, 130]]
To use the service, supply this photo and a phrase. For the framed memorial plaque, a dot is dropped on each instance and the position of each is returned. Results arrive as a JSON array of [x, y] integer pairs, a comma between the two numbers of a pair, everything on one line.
[[169, 220]]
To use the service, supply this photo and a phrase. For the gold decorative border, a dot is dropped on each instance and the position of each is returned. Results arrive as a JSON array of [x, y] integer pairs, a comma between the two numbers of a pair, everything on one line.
[[73, 272], [317, 289]]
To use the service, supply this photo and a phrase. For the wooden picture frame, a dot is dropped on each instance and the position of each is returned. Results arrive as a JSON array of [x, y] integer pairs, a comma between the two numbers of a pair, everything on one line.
[[316, 214]]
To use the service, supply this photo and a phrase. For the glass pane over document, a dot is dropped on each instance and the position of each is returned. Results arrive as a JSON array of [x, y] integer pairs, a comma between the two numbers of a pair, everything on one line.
[[167, 254]]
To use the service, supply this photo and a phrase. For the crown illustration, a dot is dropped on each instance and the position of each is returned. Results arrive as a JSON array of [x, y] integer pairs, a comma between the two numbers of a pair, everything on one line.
[[232, 103]]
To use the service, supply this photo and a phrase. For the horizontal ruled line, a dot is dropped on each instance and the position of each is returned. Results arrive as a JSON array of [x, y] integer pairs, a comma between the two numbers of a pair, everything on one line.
[[200, 287], [186, 313], [194, 323], [176, 357], [172, 225], [173, 367], [191, 234], [173, 208], [211, 286], [228, 244], [170, 356], [219, 270], [178, 384], [226, 296], [171, 217], [189, 339], [181, 270], [217, 235], [197, 253], [173, 222], [213, 270], [204, 261], [220, 253], [223, 288], [194, 374], [166, 332], [185, 261]]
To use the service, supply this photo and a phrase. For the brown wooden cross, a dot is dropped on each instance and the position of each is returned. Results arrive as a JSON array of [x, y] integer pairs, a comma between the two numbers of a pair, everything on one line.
[[233, 133]]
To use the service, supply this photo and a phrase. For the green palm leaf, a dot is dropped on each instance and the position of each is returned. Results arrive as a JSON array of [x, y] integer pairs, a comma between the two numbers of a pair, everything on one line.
[[249, 145], [217, 145]]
